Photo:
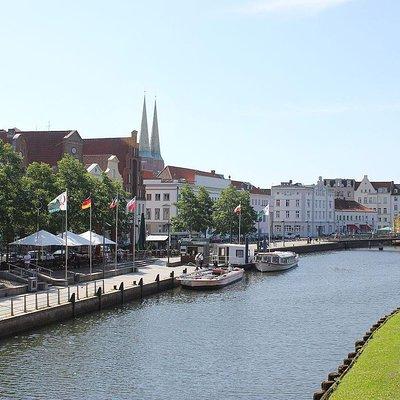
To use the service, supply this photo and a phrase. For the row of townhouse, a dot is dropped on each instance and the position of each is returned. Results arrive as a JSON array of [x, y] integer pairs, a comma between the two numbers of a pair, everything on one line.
[[329, 206]]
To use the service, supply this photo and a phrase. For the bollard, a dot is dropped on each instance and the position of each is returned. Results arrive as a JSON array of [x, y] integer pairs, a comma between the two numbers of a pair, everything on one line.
[[98, 293], [134, 283], [12, 307], [58, 296], [318, 395], [48, 299], [25, 303], [36, 302], [158, 282], [103, 287], [72, 300], [172, 275], [87, 289], [185, 271], [69, 293], [332, 376], [141, 287], [121, 288], [325, 385]]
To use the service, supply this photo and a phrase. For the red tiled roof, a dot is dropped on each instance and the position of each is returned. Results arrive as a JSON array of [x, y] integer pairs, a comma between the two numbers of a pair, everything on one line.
[[45, 146], [187, 174], [249, 187], [350, 205], [120, 147], [100, 159], [148, 174]]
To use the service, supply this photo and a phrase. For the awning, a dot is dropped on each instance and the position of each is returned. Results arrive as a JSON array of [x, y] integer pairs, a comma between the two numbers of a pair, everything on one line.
[[352, 227], [73, 240], [156, 238], [40, 239], [96, 239], [365, 228], [386, 229]]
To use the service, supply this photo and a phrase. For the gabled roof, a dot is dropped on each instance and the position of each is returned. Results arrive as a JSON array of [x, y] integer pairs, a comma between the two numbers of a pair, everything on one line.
[[148, 174], [186, 174], [100, 159], [378, 185], [350, 205]]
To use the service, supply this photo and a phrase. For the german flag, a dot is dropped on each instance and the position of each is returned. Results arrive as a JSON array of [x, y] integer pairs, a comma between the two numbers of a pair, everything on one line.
[[87, 203]]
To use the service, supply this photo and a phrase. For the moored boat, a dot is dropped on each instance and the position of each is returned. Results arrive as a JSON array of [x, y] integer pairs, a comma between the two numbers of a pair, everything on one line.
[[211, 278], [276, 261]]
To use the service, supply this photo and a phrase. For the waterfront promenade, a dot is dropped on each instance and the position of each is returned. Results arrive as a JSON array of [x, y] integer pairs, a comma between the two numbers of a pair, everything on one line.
[[57, 295]]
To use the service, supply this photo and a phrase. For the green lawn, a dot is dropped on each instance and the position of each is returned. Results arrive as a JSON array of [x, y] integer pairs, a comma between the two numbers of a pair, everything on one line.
[[376, 373]]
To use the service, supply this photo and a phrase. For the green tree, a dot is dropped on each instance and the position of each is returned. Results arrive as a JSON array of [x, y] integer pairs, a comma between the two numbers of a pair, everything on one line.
[[187, 211], [204, 209], [225, 221], [12, 199]]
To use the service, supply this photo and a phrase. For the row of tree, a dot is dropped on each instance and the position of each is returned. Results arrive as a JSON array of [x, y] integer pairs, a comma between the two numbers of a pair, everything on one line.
[[197, 212], [26, 192]]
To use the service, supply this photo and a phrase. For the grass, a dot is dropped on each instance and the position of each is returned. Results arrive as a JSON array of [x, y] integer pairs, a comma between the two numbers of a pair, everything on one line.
[[376, 373]]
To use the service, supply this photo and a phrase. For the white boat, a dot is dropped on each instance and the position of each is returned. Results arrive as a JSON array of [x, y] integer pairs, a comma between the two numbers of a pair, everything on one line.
[[276, 261], [211, 278]]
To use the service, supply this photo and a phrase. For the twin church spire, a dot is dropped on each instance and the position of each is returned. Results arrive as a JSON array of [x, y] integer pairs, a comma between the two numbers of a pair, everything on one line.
[[152, 150]]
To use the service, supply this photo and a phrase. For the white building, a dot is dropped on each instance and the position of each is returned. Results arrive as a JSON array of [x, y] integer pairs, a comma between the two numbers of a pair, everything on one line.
[[305, 210], [162, 193], [381, 197], [107, 163], [342, 188], [353, 217]]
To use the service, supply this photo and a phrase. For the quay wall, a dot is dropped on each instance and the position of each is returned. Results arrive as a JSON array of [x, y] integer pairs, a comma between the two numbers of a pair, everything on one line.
[[35, 319]]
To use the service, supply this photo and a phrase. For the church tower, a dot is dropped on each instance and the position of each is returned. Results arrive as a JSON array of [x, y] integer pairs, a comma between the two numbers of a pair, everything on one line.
[[144, 148]]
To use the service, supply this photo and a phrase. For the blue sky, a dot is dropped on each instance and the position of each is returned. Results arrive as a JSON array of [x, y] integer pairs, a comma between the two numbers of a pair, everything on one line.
[[263, 91]]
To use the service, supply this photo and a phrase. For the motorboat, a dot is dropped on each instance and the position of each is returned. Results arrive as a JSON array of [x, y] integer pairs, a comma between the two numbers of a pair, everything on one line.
[[212, 278], [276, 261]]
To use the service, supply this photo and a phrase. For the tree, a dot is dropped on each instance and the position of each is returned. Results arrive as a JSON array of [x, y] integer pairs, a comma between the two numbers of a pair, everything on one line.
[[225, 221], [187, 211], [12, 199], [205, 210]]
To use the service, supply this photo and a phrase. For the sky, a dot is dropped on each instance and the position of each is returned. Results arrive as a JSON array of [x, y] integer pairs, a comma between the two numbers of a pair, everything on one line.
[[263, 91]]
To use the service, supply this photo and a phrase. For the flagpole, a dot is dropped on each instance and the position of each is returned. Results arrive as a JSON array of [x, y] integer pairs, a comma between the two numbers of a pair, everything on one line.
[[269, 231], [240, 220], [116, 234], [90, 234], [66, 235], [134, 236]]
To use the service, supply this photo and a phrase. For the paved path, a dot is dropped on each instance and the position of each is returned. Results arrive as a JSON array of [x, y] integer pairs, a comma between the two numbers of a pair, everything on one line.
[[58, 295]]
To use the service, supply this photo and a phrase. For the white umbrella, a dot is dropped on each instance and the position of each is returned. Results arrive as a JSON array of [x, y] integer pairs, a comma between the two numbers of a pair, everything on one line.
[[96, 239], [74, 240], [40, 239]]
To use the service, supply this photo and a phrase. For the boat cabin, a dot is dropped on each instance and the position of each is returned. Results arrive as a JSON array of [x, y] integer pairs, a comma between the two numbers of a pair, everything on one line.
[[189, 248], [233, 254], [276, 257]]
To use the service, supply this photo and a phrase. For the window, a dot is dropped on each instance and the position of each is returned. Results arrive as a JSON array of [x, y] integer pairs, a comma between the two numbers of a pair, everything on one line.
[[277, 214], [148, 213], [308, 215], [278, 203], [308, 203], [287, 214], [166, 196], [385, 210], [297, 203], [158, 196], [165, 214], [359, 199], [239, 253], [157, 214], [148, 196], [297, 214], [287, 203]]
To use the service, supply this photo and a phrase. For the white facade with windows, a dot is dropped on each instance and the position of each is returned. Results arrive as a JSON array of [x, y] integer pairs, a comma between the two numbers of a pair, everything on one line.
[[302, 210], [380, 197]]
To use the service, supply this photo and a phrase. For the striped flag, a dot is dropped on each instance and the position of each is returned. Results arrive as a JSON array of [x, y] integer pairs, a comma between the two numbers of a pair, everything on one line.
[[131, 205], [113, 204]]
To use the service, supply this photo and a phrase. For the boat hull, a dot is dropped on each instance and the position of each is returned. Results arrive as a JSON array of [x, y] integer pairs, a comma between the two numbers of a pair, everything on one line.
[[268, 267], [211, 283]]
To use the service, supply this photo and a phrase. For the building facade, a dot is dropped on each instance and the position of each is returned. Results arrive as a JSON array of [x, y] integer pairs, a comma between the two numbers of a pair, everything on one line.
[[342, 188], [107, 163], [302, 210], [353, 217], [380, 196]]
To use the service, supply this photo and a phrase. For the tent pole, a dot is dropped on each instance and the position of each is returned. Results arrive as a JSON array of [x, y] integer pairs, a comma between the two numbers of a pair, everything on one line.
[[66, 235]]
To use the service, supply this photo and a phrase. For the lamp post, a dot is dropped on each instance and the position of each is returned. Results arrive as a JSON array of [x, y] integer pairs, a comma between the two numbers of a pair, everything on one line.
[[283, 233]]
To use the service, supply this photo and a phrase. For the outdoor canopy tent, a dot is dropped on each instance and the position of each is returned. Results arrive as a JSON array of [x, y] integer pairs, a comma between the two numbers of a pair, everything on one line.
[[156, 238], [96, 239], [386, 229], [74, 240], [40, 239]]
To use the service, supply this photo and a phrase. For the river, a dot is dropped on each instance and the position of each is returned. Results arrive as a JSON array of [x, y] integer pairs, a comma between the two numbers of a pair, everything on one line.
[[271, 336]]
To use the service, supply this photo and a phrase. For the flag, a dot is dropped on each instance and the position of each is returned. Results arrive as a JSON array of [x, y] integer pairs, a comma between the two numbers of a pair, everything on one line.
[[58, 204], [238, 209], [131, 205], [87, 203], [113, 204], [266, 210]]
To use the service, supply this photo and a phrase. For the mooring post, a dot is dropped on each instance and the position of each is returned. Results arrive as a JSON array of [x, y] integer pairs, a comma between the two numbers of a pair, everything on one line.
[[72, 300], [48, 299], [185, 271], [98, 293], [172, 275], [25, 303], [87, 289], [36, 302], [121, 288], [12, 306], [58, 296], [141, 287], [158, 282]]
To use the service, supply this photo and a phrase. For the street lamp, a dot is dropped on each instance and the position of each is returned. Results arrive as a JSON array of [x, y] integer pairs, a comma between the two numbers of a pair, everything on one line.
[[283, 233]]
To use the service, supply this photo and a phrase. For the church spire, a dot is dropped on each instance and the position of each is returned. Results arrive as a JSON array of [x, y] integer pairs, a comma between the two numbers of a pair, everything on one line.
[[144, 149], [155, 139]]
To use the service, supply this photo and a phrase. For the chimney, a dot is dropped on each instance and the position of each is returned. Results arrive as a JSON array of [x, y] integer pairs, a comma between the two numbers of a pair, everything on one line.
[[213, 171]]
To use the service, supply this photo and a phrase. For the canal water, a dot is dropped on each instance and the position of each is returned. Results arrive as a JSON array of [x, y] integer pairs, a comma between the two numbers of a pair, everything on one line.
[[271, 336]]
